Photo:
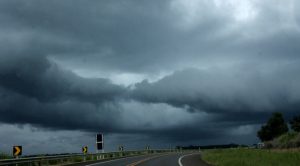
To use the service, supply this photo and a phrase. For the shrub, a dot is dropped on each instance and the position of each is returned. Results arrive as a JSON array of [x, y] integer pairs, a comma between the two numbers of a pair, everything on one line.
[[275, 127], [295, 123]]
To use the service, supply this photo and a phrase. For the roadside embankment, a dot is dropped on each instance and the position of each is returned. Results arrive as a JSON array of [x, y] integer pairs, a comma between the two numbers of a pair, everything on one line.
[[252, 157]]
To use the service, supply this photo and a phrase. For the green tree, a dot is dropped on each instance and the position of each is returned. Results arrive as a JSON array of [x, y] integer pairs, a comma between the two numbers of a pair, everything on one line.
[[295, 123], [275, 127]]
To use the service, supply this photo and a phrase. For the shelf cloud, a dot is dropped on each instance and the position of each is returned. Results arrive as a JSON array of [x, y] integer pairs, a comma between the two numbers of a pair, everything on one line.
[[173, 71]]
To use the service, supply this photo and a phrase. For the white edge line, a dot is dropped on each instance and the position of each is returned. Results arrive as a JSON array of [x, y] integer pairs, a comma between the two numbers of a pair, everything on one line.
[[181, 157]]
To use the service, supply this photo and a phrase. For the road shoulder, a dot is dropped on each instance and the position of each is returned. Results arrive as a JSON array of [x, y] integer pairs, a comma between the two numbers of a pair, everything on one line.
[[193, 159]]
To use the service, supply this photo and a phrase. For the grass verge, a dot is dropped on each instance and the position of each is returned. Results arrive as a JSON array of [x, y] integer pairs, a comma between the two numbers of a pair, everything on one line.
[[251, 157], [4, 156]]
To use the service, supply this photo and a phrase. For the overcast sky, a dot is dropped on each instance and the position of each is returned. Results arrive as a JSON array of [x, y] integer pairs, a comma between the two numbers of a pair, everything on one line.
[[163, 73]]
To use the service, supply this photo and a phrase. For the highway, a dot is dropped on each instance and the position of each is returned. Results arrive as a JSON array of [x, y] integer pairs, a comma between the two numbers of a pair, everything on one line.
[[170, 159]]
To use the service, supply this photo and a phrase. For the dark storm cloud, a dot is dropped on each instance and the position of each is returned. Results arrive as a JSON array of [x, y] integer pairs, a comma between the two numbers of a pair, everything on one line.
[[37, 91], [233, 72], [36, 77], [233, 93], [110, 35], [64, 28], [140, 36]]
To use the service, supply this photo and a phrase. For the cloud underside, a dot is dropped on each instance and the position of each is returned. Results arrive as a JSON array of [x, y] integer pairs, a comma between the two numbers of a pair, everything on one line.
[[217, 74], [188, 104]]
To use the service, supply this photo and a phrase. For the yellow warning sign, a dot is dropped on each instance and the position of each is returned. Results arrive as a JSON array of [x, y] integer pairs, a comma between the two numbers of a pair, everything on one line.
[[84, 149], [17, 150]]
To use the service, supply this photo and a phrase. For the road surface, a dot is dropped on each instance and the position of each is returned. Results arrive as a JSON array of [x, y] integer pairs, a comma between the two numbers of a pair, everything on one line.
[[170, 159]]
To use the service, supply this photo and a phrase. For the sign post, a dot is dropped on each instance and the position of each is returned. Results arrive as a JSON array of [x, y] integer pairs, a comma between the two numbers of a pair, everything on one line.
[[121, 148], [84, 151], [148, 149], [17, 151]]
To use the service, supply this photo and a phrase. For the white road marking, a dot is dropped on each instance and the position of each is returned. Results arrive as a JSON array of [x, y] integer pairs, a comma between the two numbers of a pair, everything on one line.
[[146, 159], [181, 157]]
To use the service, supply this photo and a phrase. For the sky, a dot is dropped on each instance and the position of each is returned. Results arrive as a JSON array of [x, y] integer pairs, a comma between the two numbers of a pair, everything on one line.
[[159, 73]]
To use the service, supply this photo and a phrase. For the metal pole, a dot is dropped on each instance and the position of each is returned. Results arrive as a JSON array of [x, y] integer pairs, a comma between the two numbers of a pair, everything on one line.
[[97, 154], [17, 157]]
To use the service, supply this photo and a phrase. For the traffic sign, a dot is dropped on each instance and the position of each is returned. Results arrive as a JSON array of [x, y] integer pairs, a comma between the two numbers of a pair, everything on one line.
[[85, 150], [99, 138], [99, 145], [17, 150], [147, 147], [99, 141], [121, 148]]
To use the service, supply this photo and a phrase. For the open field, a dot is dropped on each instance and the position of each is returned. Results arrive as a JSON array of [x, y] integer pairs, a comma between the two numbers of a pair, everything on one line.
[[252, 157]]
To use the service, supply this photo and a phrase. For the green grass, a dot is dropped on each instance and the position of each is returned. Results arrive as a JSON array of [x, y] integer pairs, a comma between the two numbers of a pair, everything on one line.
[[4, 156], [251, 157]]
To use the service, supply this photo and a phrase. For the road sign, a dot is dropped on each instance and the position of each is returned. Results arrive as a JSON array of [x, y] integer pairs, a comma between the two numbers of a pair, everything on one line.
[[99, 141], [17, 150], [99, 138], [99, 146], [121, 148], [85, 150], [147, 147]]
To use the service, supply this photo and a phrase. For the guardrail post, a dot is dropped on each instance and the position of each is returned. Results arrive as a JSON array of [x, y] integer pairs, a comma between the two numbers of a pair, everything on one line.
[[69, 159]]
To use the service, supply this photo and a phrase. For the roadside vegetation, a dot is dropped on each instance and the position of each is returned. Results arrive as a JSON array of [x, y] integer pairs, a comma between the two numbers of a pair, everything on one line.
[[252, 157], [276, 134], [281, 146], [285, 141], [4, 156]]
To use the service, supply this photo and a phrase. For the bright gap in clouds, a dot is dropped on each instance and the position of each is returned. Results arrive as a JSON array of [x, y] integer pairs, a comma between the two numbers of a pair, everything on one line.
[[241, 10], [194, 10], [119, 78], [125, 79]]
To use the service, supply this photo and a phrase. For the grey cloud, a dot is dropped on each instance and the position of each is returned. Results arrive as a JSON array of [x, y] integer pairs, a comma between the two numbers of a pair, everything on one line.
[[245, 69], [37, 91], [36, 77], [139, 36], [68, 114], [226, 91], [110, 35]]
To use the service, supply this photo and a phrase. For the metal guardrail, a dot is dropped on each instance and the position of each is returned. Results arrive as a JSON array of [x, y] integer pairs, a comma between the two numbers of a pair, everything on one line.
[[75, 158]]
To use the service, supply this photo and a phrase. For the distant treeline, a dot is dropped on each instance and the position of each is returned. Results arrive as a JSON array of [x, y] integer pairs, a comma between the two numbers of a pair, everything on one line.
[[211, 146]]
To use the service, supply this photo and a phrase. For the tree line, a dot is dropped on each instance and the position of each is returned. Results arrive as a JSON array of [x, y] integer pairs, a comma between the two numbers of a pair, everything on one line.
[[276, 126]]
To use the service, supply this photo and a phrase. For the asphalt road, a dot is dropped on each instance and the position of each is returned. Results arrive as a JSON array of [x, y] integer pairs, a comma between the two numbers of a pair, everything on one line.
[[171, 159]]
